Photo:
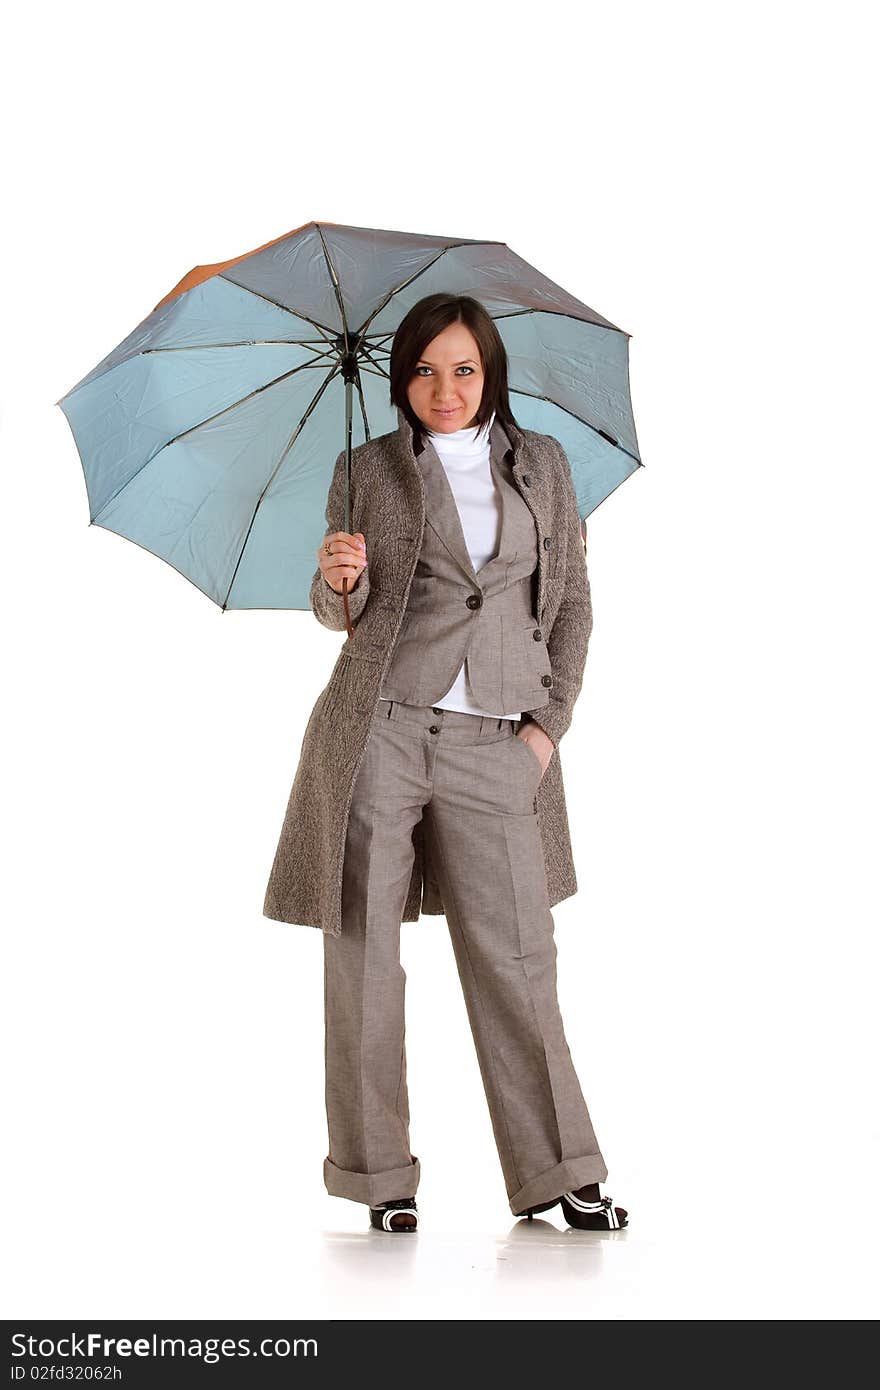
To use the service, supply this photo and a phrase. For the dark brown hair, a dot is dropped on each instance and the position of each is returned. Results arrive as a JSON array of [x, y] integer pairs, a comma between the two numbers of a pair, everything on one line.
[[422, 323]]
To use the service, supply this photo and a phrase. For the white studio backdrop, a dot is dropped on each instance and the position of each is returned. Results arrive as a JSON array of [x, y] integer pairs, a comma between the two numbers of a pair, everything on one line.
[[697, 176]]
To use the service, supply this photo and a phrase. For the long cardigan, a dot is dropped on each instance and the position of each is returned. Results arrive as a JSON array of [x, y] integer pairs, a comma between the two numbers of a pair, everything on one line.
[[387, 504]]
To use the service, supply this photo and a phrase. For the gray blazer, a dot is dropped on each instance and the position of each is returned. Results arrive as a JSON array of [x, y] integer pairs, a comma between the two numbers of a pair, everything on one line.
[[455, 614]]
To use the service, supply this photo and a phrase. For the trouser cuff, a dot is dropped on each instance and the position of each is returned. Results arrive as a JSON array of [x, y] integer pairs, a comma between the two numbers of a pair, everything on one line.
[[373, 1188], [565, 1177]]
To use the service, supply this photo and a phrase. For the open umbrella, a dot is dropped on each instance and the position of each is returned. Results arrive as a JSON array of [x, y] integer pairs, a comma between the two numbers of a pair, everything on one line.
[[209, 435]]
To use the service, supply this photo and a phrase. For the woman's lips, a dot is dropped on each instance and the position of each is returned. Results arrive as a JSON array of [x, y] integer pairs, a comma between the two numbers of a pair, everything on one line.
[[446, 412]]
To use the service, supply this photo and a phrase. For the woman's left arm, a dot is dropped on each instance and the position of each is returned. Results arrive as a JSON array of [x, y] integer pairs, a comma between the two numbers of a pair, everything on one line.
[[569, 637]]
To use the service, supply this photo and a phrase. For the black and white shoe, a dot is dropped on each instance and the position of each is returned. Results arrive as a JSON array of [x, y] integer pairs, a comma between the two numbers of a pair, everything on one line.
[[399, 1215], [593, 1216]]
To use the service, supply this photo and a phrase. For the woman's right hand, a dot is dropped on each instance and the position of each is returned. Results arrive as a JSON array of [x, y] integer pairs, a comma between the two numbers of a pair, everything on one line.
[[347, 560]]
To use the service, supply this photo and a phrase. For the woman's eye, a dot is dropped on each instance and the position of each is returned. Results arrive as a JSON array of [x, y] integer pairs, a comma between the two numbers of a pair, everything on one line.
[[460, 369]]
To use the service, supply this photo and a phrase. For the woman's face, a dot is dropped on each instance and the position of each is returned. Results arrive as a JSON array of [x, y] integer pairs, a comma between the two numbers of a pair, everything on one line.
[[447, 382]]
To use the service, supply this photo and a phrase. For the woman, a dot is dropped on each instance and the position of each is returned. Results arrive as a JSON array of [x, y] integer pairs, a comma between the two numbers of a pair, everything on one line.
[[430, 766]]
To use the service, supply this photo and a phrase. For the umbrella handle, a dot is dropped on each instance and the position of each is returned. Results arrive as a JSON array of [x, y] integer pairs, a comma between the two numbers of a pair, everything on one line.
[[348, 625]]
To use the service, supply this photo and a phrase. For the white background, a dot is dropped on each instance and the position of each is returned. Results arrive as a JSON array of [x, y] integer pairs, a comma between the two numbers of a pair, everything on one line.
[[701, 176]]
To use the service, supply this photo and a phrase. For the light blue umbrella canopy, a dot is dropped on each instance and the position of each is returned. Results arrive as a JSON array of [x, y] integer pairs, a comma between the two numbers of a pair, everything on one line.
[[209, 435]]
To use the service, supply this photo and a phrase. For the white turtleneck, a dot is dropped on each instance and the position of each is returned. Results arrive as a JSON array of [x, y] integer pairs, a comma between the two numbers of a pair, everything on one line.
[[464, 455]]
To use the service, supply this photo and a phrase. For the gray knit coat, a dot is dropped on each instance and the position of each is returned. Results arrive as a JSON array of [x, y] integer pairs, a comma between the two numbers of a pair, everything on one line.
[[387, 504]]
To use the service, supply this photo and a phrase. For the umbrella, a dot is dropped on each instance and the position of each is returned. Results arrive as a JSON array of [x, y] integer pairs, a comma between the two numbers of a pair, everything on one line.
[[209, 435]]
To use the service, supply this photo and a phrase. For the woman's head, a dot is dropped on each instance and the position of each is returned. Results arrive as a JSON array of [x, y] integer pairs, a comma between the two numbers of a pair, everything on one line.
[[449, 366]]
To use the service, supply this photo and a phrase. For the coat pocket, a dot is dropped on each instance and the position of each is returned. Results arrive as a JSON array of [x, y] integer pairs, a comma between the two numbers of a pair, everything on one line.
[[349, 689]]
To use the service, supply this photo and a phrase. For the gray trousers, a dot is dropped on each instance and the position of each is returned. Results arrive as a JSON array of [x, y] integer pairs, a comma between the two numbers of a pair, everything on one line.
[[474, 783]]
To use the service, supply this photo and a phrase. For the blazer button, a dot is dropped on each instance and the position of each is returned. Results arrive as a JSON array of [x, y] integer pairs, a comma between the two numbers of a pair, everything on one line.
[[546, 542], [434, 729], [546, 680], [537, 634], [434, 709], [527, 482], [474, 600]]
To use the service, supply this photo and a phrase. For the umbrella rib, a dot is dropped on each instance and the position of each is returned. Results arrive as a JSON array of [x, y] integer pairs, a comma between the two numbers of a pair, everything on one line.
[[285, 451], [297, 313], [239, 342], [427, 266], [322, 329], [360, 390], [304, 367], [597, 429], [453, 246], [512, 314], [368, 357], [335, 281], [518, 313]]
